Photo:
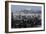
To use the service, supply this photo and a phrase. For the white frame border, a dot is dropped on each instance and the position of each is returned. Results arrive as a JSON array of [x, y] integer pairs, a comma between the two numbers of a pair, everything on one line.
[[25, 29]]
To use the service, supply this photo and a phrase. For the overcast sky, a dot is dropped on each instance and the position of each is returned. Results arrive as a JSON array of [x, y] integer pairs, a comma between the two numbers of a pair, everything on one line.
[[15, 8]]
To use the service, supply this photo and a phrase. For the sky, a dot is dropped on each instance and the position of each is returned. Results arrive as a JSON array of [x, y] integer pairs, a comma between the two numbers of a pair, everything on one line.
[[15, 8]]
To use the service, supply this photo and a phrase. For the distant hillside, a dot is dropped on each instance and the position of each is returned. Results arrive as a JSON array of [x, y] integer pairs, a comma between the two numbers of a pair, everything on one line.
[[27, 12], [30, 11]]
